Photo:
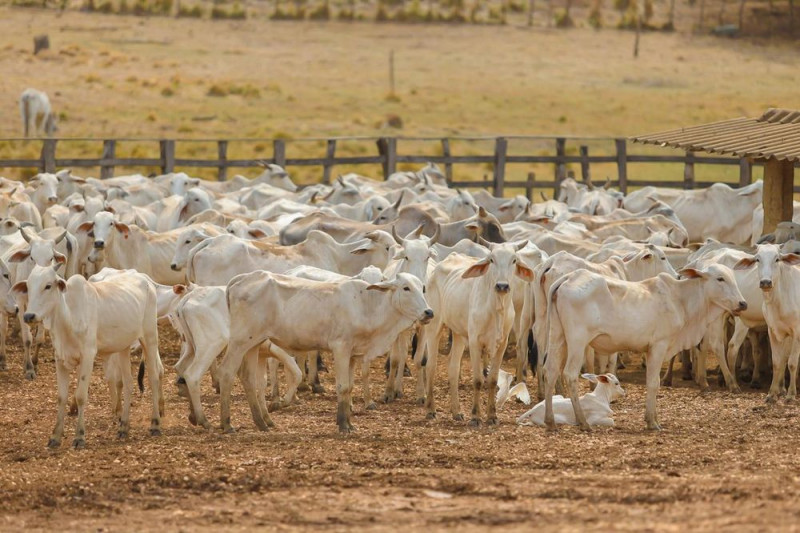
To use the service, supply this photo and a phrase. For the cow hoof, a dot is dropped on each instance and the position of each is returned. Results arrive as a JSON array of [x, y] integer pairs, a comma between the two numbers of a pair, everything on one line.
[[79, 444], [552, 428], [3, 365], [229, 430], [491, 421], [275, 406], [407, 373], [459, 417], [346, 430], [303, 387], [387, 398], [30, 375], [430, 415], [122, 434], [475, 423], [420, 401], [789, 400], [53, 443], [204, 423], [155, 432], [192, 419], [371, 406], [771, 398], [398, 395], [654, 427], [755, 384], [316, 388], [183, 392], [735, 389], [588, 429]]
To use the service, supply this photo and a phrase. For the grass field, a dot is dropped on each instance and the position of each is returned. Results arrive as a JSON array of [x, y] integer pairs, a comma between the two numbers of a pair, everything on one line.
[[115, 76]]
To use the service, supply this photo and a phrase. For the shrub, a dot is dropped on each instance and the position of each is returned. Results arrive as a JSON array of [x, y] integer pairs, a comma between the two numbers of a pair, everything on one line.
[[563, 20], [595, 18], [191, 12], [322, 12], [167, 91], [217, 91]]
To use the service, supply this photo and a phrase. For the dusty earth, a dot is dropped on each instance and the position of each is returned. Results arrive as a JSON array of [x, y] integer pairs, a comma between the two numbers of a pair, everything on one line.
[[722, 462]]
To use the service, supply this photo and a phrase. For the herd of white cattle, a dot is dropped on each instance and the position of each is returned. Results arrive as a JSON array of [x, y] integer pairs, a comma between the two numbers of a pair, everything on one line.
[[254, 273]]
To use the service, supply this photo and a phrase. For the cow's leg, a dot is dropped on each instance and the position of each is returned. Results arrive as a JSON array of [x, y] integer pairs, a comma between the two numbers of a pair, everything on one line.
[[272, 365], [701, 372], [397, 359], [302, 360], [422, 358], [521, 338], [3, 335], [27, 339], [454, 375], [576, 354], [686, 364], [344, 388], [113, 372], [589, 361], [213, 369], [313, 373], [778, 367], [124, 364], [204, 359], [293, 376], [654, 360], [155, 374], [368, 403], [494, 372], [734, 345], [248, 374], [82, 396], [402, 357], [602, 363], [667, 380], [427, 375], [794, 354], [230, 365], [38, 341], [62, 378], [476, 360]]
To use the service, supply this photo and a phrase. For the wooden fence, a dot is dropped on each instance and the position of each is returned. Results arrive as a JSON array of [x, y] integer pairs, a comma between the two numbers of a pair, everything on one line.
[[388, 157]]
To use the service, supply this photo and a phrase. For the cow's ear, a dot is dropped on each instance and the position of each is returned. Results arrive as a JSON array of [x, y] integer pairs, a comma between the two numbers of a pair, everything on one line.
[[364, 248], [473, 226], [792, 259], [603, 378], [591, 377], [690, 273], [383, 287], [122, 228], [78, 208], [476, 270], [629, 257], [257, 233], [86, 226], [20, 287], [20, 256], [60, 258], [744, 263], [110, 209], [524, 273], [506, 206], [179, 289], [62, 285], [647, 256]]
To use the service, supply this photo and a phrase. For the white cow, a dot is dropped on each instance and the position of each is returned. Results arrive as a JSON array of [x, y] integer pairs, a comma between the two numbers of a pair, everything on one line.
[[349, 318], [473, 299], [37, 114], [660, 316], [88, 319], [596, 405], [780, 284]]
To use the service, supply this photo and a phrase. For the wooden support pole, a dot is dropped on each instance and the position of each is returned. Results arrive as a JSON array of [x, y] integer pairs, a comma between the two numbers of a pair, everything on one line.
[[448, 165], [222, 155], [167, 156], [778, 187], [745, 172], [330, 154], [585, 176], [279, 152], [48, 160], [500, 151], [688, 171], [622, 164], [560, 166], [107, 168], [529, 185], [387, 148]]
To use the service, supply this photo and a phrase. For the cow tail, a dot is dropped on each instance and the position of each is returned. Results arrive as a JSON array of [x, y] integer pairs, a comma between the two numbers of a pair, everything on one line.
[[555, 329], [140, 376]]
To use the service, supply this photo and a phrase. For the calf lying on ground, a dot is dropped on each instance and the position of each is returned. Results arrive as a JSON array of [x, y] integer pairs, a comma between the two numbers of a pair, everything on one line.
[[596, 404]]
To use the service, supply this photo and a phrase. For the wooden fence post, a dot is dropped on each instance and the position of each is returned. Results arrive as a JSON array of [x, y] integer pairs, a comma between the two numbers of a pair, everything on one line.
[[745, 172], [330, 154], [387, 147], [167, 156], [48, 163], [279, 152], [622, 164], [560, 167], [688, 171], [529, 185], [107, 165], [500, 150], [448, 165], [222, 155], [584, 151]]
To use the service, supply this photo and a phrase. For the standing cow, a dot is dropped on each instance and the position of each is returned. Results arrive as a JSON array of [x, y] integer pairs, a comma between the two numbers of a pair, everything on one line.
[[37, 115]]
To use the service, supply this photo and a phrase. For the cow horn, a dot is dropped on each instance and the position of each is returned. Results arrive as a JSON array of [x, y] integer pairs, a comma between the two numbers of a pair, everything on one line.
[[607, 184], [399, 240], [340, 179], [543, 195], [436, 234], [25, 235], [418, 232], [481, 212], [590, 185], [60, 237], [520, 245], [484, 242], [261, 163], [325, 198], [399, 200], [313, 198]]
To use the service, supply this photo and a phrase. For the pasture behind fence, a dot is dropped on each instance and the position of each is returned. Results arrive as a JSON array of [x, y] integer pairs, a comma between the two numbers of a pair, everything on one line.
[[559, 152]]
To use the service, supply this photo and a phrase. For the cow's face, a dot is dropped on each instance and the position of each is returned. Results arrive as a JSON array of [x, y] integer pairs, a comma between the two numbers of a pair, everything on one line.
[[768, 258], [7, 301], [462, 206], [498, 267], [46, 187], [43, 289], [407, 297], [720, 287], [187, 240], [180, 183], [414, 256], [647, 263], [102, 229]]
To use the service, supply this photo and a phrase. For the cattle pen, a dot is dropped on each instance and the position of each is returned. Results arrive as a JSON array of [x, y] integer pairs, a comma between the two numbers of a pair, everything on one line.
[[555, 154]]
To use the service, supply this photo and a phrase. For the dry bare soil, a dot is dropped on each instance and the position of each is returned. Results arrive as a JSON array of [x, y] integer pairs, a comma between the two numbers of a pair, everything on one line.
[[722, 462]]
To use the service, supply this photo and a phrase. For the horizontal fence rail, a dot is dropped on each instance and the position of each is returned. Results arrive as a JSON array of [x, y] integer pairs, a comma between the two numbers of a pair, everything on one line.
[[388, 157]]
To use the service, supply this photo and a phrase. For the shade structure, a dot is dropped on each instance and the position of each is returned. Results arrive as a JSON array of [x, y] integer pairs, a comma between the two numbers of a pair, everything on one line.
[[773, 138]]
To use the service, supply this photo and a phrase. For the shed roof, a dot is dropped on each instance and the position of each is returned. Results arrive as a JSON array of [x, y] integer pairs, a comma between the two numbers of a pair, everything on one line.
[[775, 134]]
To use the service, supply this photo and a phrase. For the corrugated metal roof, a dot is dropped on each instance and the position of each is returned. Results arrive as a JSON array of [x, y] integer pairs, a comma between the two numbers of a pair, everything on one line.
[[776, 134]]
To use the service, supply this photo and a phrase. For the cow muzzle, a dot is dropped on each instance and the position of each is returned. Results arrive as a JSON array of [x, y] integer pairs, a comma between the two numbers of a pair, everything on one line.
[[765, 284], [99, 245], [741, 307], [29, 318], [174, 267], [427, 316], [502, 288], [52, 199]]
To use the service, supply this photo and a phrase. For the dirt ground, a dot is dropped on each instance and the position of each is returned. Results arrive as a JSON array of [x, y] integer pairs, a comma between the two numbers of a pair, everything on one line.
[[722, 462]]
